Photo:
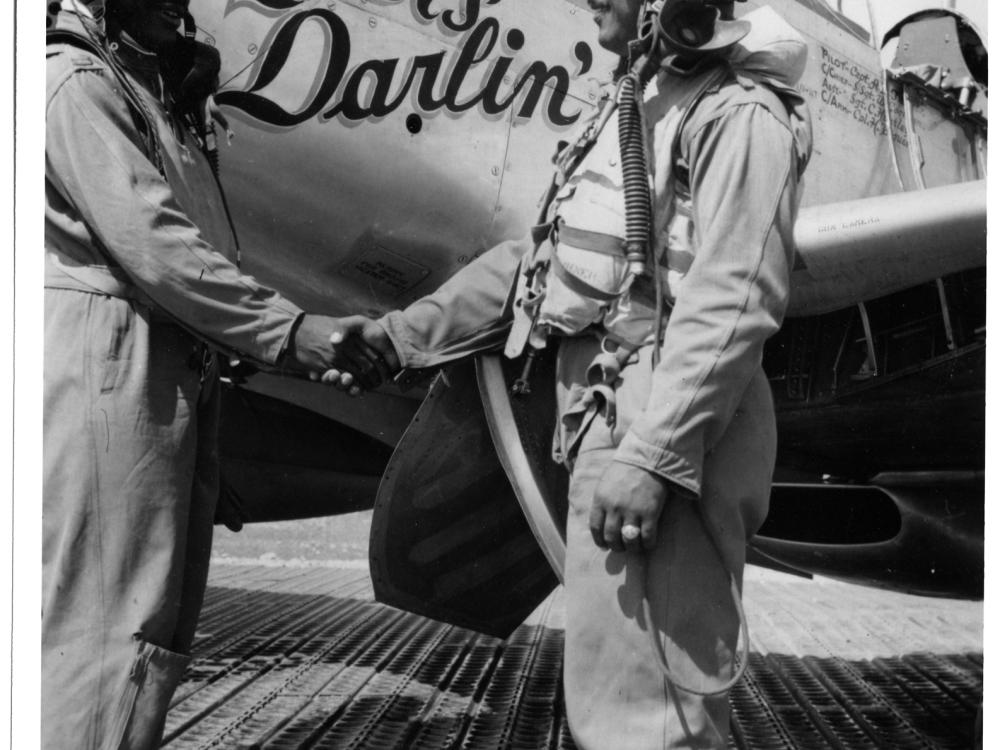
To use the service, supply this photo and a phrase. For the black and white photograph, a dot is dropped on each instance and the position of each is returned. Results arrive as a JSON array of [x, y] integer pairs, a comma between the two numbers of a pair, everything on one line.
[[499, 375]]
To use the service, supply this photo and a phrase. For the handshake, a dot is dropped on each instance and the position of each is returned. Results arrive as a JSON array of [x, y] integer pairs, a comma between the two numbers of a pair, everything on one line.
[[353, 354]]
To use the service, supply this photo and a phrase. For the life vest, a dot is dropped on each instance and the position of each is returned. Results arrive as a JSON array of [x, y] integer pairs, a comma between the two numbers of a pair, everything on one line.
[[577, 277]]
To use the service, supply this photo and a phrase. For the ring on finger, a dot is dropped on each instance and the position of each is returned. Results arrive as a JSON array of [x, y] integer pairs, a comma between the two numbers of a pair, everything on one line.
[[630, 532]]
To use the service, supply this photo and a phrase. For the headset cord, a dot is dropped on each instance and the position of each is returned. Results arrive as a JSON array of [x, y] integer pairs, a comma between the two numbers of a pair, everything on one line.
[[661, 659], [210, 148]]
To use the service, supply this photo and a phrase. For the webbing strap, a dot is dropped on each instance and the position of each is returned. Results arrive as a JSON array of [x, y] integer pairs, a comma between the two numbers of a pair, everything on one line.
[[64, 36], [540, 231], [578, 285], [597, 242], [644, 289]]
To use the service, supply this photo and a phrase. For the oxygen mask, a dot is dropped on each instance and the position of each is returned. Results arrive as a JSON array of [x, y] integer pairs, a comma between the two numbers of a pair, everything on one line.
[[191, 68], [688, 29]]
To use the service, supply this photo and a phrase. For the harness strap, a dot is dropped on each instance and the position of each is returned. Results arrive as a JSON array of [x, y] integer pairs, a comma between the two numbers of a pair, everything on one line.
[[63, 36], [597, 242], [578, 285], [523, 327], [644, 289], [540, 232]]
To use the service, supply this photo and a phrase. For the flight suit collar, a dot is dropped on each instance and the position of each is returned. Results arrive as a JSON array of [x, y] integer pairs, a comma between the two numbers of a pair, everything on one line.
[[684, 71], [139, 61]]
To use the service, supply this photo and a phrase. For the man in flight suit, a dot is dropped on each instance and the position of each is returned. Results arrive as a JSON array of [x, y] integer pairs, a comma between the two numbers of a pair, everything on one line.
[[139, 289], [671, 456]]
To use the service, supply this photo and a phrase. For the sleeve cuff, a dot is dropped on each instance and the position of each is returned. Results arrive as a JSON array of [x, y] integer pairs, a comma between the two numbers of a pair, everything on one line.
[[685, 474], [394, 326], [286, 342]]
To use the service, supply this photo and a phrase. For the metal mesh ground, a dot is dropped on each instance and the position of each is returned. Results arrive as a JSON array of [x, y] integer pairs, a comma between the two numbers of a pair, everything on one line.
[[302, 658]]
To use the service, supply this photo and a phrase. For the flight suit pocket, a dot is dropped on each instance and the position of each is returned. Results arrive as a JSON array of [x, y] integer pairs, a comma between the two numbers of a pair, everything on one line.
[[119, 322], [137, 723]]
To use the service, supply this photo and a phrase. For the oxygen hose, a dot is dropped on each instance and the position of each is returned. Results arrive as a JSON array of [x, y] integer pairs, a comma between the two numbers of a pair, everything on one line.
[[635, 173]]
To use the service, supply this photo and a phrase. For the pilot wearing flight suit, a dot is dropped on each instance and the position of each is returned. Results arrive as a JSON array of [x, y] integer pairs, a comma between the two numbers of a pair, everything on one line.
[[666, 422], [140, 288]]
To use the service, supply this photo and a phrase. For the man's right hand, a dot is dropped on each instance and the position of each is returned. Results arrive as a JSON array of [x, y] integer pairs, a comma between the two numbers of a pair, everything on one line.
[[310, 351], [364, 356], [351, 353]]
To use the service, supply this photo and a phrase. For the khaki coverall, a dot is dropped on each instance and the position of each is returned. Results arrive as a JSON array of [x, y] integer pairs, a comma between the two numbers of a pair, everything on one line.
[[130, 401], [703, 419]]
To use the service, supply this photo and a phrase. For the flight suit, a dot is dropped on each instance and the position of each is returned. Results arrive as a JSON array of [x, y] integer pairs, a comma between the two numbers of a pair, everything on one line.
[[134, 261], [726, 189]]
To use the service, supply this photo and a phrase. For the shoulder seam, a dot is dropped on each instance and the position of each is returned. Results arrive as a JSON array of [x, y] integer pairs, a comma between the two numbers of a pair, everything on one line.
[[730, 108], [65, 47], [66, 75]]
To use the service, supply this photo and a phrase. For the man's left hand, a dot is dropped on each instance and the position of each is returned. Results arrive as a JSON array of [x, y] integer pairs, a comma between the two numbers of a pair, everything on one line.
[[627, 496]]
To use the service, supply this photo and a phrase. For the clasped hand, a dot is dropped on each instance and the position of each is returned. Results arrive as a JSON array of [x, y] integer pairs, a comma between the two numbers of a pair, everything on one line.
[[352, 354]]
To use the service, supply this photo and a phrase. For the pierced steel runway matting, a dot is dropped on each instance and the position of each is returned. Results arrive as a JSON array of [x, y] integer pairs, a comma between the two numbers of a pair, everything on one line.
[[303, 658]]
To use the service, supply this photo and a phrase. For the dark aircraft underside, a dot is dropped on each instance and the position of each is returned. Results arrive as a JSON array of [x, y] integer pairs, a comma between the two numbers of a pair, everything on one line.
[[880, 476]]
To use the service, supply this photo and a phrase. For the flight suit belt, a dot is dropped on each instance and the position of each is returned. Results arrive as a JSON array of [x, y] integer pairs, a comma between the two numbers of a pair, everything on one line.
[[103, 280], [110, 282]]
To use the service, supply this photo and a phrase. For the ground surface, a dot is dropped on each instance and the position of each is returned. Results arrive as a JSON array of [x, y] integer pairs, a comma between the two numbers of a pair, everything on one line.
[[294, 653]]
